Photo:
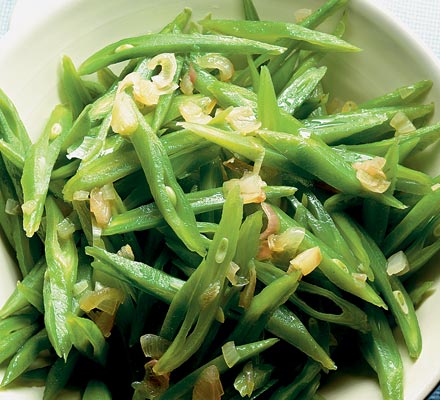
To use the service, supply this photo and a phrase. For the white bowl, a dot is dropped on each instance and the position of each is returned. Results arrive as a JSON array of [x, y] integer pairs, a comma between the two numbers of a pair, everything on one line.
[[29, 61]]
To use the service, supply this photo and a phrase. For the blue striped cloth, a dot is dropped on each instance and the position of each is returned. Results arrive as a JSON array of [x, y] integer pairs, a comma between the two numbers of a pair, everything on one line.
[[421, 16], [6, 8]]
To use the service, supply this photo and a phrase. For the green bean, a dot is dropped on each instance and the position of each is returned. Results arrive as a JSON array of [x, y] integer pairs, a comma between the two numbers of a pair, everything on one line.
[[380, 350], [81, 127], [399, 97], [283, 323], [347, 231], [250, 12], [419, 252], [62, 263], [419, 292], [59, 374], [38, 167], [416, 218], [300, 88], [333, 270], [96, 390], [152, 44], [395, 296], [15, 331], [267, 106], [174, 207], [288, 327], [408, 180], [311, 154], [355, 127], [25, 356], [87, 338], [323, 227], [270, 32], [162, 109], [425, 135], [148, 216], [17, 301], [249, 147], [263, 304], [185, 307], [27, 251], [10, 153], [350, 314], [74, 88], [245, 352], [11, 125]]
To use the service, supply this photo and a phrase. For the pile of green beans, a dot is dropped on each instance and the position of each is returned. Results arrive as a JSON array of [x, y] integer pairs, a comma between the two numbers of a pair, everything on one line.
[[151, 268]]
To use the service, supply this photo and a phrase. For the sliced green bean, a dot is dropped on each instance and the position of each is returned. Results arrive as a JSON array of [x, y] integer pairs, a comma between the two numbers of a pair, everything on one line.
[[245, 352], [60, 276], [148, 216], [96, 390], [270, 32], [185, 309], [380, 350], [152, 44], [25, 356], [38, 167]]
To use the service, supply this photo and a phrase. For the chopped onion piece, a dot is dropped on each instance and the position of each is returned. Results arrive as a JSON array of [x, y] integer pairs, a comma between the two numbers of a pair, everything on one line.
[[435, 187], [127, 252], [153, 385], [81, 195], [124, 118], [306, 261], [106, 299], [302, 13], [12, 207], [230, 354], [29, 206], [208, 385], [243, 119], [80, 287], [406, 92], [273, 222], [193, 112], [245, 382], [251, 187], [66, 228], [186, 85], [247, 293], [233, 278], [103, 321], [289, 240], [154, 346], [108, 192], [402, 124], [209, 295], [397, 264], [217, 61], [168, 62], [100, 207], [371, 176], [349, 106]]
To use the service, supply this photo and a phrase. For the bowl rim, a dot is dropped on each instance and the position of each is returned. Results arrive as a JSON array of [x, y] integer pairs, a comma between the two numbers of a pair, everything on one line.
[[381, 14]]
